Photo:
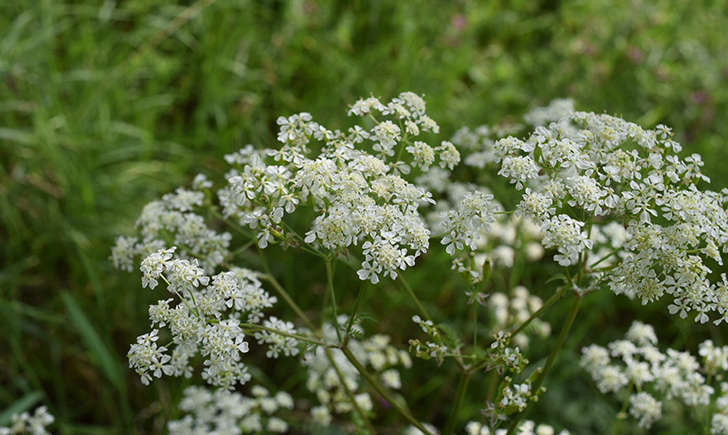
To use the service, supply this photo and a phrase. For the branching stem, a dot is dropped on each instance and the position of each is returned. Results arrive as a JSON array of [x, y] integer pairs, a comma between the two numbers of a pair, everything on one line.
[[552, 356], [550, 301], [383, 391]]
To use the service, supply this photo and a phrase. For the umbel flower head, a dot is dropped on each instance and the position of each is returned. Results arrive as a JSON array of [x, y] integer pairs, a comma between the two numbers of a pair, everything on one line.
[[223, 411], [614, 203], [209, 316], [25, 423], [356, 184], [636, 368], [587, 169]]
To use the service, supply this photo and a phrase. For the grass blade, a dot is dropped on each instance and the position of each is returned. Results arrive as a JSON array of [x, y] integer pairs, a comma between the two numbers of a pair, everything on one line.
[[20, 405], [98, 350]]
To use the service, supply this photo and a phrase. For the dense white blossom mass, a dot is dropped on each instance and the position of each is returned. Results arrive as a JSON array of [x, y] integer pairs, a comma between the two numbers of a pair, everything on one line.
[[613, 204], [635, 366]]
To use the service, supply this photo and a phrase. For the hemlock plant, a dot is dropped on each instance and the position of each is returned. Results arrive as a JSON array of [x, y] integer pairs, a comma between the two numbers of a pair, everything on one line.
[[612, 204]]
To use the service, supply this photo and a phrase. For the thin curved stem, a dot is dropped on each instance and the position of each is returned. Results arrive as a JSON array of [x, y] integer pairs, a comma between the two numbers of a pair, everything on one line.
[[348, 392], [332, 292], [550, 301], [459, 395], [406, 286], [231, 224], [287, 298], [475, 324], [561, 339], [382, 391], [622, 412], [552, 356], [359, 296], [184, 301], [354, 361], [303, 338], [614, 252]]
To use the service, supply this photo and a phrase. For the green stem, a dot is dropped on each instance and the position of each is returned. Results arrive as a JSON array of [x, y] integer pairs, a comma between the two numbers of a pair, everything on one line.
[[560, 341], [242, 248], [348, 392], [585, 254], [621, 415], [475, 324], [359, 296], [711, 406], [459, 395], [404, 141], [184, 301], [614, 252], [550, 301], [552, 356], [382, 391], [414, 297], [301, 242], [604, 269], [287, 298], [232, 225], [330, 283], [312, 340]]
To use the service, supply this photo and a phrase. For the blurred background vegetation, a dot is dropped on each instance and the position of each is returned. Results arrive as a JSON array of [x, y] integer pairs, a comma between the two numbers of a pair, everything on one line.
[[105, 105]]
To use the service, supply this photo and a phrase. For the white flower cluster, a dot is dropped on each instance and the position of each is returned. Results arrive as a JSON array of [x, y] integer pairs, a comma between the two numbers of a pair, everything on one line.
[[375, 353], [527, 427], [171, 221], [556, 110], [465, 223], [355, 184], [478, 145], [719, 421], [411, 430], [207, 318], [469, 221], [516, 396], [516, 309], [226, 412], [589, 168], [635, 367], [463, 220], [30, 424], [278, 343]]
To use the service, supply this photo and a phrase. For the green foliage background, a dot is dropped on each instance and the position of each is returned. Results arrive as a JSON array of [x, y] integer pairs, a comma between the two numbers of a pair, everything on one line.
[[106, 105]]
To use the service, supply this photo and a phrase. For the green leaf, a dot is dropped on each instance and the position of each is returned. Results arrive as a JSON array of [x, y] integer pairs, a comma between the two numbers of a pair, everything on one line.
[[558, 277], [96, 347], [20, 405]]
